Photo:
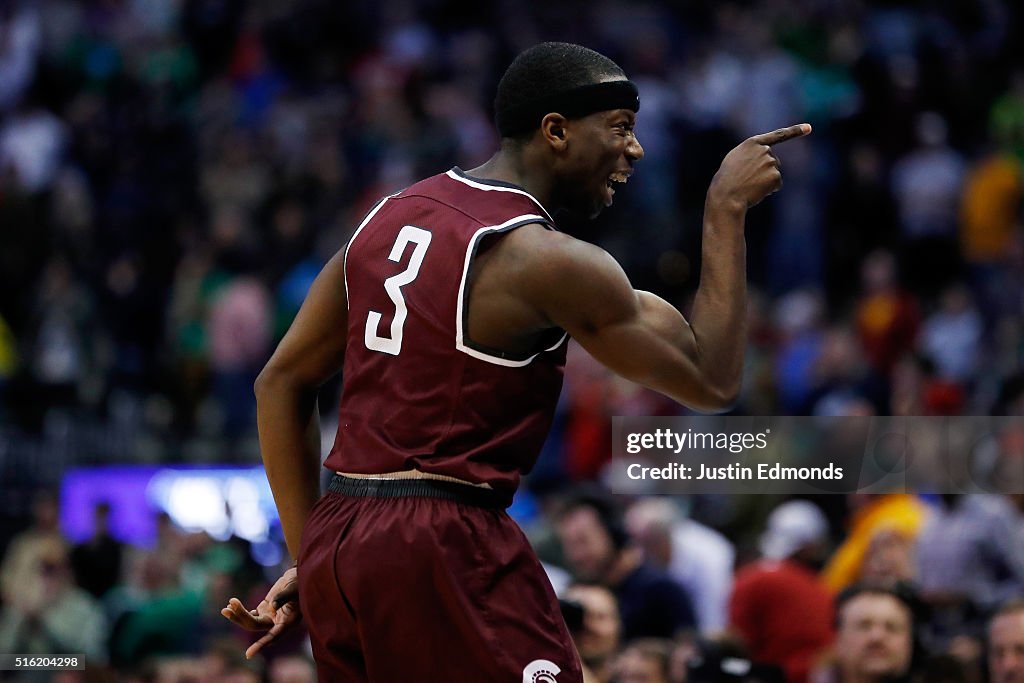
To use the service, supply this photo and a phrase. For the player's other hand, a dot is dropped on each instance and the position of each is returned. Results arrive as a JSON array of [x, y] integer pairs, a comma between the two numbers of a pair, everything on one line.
[[278, 611], [751, 172]]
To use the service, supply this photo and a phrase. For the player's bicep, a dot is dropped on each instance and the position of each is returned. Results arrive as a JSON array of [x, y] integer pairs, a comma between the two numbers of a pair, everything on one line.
[[635, 334], [313, 349], [648, 342]]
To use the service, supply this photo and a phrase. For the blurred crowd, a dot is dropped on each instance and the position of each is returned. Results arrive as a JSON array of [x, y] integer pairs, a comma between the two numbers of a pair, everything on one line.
[[893, 588], [137, 614], [900, 588], [173, 174]]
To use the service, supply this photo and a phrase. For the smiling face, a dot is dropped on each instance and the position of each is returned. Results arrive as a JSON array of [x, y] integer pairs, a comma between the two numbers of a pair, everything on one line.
[[594, 153]]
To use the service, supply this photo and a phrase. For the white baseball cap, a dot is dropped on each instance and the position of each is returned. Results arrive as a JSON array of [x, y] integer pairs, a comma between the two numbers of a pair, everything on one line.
[[792, 526]]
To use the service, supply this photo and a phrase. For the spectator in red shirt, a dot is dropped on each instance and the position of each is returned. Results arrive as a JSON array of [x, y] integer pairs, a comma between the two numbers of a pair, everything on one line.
[[779, 606]]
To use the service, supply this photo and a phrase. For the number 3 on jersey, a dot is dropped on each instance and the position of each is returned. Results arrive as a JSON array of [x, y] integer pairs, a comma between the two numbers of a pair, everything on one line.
[[393, 286]]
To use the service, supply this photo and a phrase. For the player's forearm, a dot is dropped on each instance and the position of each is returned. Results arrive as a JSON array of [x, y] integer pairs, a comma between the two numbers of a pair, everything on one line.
[[748, 174], [718, 318], [289, 432]]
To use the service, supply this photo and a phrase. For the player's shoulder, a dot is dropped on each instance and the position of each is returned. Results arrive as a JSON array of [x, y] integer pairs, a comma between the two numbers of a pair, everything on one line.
[[492, 204], [553, 255], [425, 187], [557, 272]]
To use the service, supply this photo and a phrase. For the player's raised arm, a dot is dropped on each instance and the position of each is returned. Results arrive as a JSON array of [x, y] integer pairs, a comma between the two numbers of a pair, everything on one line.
[[748, 174], [582, 289], [311, 352]]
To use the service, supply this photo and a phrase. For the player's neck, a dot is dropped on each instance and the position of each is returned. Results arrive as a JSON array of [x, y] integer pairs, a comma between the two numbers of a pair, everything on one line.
[[511, 165]]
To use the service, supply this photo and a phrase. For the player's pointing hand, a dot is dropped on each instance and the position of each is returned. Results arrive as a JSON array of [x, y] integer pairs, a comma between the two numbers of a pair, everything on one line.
[[782, 134], [751, 172]]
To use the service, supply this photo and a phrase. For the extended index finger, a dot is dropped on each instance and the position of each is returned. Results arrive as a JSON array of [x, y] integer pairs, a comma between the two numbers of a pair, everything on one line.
[[782, 134]]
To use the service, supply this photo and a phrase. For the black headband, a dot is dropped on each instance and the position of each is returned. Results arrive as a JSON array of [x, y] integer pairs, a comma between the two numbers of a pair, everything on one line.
[[574, 103]]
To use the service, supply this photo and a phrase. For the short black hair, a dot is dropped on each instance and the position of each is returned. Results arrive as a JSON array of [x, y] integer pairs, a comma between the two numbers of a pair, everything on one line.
[[609, 513], [901, 591], [549, 68], [905, 594]]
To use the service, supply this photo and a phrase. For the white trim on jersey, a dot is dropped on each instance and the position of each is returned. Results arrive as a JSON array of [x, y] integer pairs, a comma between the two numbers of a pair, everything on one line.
[[498, 188], [344, 266], [459, 307], [557, 343]]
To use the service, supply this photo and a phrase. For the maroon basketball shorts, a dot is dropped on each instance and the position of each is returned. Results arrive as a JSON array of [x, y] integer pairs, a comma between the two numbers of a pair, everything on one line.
[[415, 581]]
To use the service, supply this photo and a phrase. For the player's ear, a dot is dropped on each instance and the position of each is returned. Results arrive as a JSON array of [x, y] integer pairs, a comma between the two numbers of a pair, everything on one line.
[[552, 127]]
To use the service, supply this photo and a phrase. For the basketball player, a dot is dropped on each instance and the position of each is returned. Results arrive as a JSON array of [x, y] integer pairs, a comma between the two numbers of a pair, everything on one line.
[[449, 313]]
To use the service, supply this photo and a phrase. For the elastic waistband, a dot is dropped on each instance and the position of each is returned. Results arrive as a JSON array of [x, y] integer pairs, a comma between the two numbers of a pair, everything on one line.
[[419, 488]]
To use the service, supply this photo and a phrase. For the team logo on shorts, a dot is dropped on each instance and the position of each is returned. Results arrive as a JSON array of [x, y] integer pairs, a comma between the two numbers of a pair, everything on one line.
[[541, 671]]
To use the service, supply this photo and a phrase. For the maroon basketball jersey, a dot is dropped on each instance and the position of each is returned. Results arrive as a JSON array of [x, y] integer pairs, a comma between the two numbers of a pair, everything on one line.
[[418, 393]]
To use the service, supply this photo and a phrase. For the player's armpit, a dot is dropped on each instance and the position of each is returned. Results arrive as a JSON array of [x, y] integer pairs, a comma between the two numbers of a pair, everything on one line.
[[582, 289]]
